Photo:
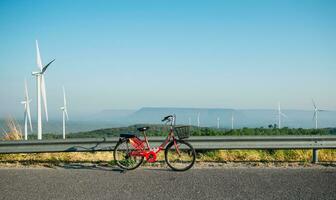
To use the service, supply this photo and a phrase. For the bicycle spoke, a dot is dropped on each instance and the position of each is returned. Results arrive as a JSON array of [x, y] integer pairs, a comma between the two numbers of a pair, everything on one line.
[[123, 157], [180, 156]]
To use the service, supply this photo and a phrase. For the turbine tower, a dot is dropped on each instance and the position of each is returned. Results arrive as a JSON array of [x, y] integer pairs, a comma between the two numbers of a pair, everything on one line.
[[41, 91], [64, 112], [27, 116], [189, 121], [218, 120], [316, 111], [280, 113], [198, 120]]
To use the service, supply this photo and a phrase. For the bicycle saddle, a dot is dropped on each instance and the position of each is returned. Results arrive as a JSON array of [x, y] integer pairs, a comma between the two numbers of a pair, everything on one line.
[[141, 129], [127, 135]]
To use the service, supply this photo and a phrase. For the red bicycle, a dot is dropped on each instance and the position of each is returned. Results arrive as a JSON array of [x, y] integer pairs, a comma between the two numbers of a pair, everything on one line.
[[131, 150]]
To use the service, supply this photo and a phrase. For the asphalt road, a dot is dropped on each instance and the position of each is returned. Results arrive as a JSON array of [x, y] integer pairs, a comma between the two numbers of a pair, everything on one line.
[[76, 182]]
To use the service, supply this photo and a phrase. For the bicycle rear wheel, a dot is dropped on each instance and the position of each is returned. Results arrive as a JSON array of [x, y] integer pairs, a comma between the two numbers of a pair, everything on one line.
[[180, 155], [123, 158]]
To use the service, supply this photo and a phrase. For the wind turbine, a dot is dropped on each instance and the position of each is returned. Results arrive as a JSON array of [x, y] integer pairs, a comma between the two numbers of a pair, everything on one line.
[[41, 91], [316, 111], [218, 120], [279, 115], [232, 120], [65, 112], [27, 116], [198, 120], [189, 121]]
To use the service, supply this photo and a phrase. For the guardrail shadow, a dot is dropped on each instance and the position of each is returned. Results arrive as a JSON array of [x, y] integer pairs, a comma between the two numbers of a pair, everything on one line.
[[90, 149], [278, 163]]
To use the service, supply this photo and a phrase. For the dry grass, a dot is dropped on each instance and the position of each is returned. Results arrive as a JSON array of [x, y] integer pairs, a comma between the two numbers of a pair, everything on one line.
[[14, 130], [58, 157], [266, 156], [211, 156]]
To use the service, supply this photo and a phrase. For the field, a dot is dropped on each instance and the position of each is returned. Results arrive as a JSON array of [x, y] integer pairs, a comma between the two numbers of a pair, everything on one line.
[[202, 156]]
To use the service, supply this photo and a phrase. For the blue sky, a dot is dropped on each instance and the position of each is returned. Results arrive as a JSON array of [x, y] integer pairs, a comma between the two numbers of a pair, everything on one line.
[[131, 54]]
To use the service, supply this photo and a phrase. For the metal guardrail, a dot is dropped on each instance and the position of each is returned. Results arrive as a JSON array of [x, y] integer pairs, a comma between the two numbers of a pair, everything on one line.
[[199, 143]]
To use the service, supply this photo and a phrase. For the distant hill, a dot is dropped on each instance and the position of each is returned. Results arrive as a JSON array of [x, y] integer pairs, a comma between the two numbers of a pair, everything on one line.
[[154, 115], [242, 117]]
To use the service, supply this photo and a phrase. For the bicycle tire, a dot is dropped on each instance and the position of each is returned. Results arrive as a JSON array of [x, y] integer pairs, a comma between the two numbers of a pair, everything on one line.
[[170, 149], [117, 151]]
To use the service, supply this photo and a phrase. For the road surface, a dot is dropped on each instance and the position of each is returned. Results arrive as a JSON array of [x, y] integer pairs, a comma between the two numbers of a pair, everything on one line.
[[85, 182]]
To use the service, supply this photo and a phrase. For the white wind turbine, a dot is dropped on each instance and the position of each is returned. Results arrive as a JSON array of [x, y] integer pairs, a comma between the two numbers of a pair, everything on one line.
[[198, 120], [189, 121], [27, 116], [316, 111], [232, 120], [280, 114], [64, 112], [41, 91], [218, 120]]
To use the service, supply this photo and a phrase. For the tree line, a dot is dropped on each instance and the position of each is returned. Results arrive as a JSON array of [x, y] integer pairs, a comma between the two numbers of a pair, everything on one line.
[[159, 130]]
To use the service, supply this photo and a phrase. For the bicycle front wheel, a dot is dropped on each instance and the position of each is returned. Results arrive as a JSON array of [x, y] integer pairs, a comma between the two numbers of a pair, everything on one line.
[[180, 155], [123, 158]]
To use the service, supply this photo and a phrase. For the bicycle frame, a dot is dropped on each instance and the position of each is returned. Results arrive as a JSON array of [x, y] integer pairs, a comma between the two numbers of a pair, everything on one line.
[[144, 149]]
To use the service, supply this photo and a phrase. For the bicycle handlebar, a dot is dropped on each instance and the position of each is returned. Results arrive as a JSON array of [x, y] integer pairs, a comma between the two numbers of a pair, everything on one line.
[[167, 118]]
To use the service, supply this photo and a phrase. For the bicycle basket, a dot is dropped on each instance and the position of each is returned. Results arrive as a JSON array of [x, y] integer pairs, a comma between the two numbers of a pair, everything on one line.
[[182, 132]]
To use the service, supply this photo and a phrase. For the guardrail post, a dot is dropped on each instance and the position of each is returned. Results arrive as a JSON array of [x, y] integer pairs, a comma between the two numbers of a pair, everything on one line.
[[315, 156]]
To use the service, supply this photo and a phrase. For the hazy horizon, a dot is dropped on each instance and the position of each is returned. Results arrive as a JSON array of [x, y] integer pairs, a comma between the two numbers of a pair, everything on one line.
[[86, 116], [253, 118]]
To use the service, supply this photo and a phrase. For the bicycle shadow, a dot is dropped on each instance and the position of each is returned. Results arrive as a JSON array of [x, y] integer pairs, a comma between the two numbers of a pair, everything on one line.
[[85, 166], [80, 166]]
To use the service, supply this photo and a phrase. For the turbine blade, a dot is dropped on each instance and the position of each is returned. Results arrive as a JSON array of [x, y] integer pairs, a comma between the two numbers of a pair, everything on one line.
[[314, 116], [64, 98], [26, 91], [29, 117], [284, 115], [25, 114], [44, 96], [38, 57], [66, 113], [314, 104], [45, 67]]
